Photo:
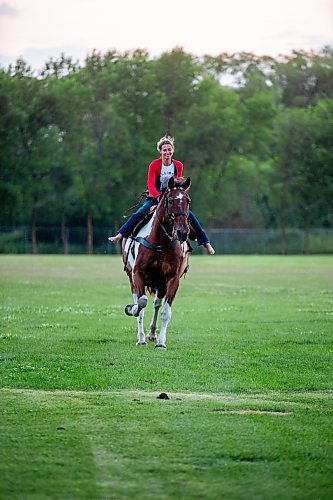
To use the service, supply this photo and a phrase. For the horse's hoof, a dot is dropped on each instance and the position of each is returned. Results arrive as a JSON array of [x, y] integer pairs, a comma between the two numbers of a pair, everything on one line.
[[141, 343], [128, 310], [160, 346]]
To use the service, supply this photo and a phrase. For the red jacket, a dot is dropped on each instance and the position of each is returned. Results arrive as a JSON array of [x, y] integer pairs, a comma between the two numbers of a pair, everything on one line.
[[154, 170]]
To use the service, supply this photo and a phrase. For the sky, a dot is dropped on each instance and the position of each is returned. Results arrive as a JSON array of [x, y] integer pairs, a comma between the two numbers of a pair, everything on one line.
[[39, 29]]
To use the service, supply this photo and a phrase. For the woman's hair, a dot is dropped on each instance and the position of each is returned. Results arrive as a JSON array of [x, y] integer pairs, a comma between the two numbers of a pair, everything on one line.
[[167, 139]]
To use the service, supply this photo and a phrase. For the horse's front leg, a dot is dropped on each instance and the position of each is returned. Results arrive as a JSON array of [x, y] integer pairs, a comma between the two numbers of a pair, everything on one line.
[[139, 316], [135, 309], [140, 299], [153, 325], [141, 334]]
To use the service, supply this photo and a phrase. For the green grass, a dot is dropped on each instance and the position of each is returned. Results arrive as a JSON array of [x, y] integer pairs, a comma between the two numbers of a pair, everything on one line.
[[248, 370]]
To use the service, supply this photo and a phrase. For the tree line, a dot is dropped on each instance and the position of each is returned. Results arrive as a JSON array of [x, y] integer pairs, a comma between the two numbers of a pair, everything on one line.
[[254, 133]]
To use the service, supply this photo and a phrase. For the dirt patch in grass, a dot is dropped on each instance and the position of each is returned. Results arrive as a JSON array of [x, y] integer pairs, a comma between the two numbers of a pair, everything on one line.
[[252, 412]]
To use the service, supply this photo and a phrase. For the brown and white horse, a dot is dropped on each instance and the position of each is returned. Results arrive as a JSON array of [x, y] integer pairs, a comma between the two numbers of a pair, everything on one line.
[[157, 258]]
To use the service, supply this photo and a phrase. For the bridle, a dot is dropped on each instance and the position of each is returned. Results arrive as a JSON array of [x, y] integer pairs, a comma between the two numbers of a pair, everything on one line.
[[172, 214]]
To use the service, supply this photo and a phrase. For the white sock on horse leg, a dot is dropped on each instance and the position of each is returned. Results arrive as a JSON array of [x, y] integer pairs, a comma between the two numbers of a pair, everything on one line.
[[165, 317]]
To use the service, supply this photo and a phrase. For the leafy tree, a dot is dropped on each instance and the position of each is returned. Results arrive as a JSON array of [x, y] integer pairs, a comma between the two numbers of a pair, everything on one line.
[[44, 156], [245, 71], [177, 74], [211, 137], [12, 119], [91, 142], [305, 77], [21, 124], [244, 194], [257, 113], [304, 178]]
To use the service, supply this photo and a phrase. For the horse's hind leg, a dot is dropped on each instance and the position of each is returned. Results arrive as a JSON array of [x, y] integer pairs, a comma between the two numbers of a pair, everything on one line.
[[153, 325], [171, 291], [141, 340], [165, 318]]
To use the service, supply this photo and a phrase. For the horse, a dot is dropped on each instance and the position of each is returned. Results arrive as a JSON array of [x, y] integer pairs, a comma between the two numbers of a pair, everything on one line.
[[157, 257]]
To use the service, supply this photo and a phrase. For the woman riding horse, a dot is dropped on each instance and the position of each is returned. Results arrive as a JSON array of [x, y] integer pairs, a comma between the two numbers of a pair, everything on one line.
[[157, 258], [160, 171]]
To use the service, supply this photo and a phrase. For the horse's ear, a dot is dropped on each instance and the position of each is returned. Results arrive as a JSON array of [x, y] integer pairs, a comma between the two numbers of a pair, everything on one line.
[[187, 184], [171, 183]]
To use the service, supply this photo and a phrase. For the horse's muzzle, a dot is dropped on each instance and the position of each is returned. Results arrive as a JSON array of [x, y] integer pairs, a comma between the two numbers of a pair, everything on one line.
[[182, 235]]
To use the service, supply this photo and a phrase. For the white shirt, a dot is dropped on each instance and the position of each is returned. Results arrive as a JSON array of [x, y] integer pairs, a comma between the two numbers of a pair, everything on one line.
[[166, 173]]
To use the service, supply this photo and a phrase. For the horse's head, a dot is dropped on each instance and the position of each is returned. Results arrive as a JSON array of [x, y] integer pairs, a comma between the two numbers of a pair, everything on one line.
[[177, 204]]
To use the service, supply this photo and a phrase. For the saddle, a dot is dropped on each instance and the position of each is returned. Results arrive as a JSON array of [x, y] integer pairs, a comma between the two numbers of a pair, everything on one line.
[[142, 223]]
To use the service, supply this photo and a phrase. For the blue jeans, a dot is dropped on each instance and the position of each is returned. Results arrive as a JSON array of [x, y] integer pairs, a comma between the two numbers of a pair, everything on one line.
[[127, 228]]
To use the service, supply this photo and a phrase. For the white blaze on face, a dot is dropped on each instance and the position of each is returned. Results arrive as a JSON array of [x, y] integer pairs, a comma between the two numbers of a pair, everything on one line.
[[179, 196]]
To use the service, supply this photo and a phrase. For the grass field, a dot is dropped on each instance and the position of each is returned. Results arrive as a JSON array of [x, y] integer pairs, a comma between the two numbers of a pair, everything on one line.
[[248, 372]]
